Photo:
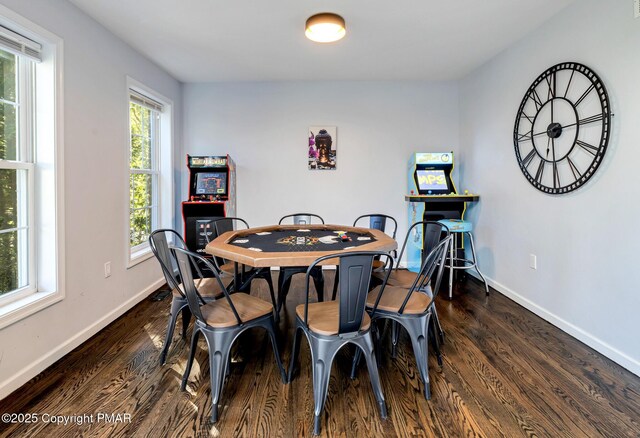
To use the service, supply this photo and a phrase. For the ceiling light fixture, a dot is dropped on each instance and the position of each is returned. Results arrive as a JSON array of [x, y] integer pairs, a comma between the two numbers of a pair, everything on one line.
[[325, 28]]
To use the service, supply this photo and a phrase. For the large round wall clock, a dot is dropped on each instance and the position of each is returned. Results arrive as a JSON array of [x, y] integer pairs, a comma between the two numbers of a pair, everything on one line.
[[562, 128]]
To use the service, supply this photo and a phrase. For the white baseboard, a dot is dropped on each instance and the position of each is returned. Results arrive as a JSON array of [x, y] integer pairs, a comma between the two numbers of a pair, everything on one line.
[[587, 338], [36, 367]]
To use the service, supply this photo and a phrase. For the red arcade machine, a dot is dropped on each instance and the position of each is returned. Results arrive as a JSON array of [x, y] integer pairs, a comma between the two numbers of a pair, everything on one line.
[[212, 195]]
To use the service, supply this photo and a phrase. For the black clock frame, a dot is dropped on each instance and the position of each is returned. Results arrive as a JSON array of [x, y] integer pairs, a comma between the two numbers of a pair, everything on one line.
[[555, 129]]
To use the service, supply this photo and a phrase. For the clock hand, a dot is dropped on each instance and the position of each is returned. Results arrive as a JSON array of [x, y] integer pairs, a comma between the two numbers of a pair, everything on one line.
[[556, 177], [568, 126], [560, 127], [548, 141]]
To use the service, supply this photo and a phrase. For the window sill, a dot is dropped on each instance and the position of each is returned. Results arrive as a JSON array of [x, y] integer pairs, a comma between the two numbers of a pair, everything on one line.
[[27, 306], [139, 256]]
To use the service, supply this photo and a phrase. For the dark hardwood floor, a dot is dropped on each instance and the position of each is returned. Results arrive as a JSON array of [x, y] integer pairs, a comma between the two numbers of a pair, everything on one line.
[[506, 373]]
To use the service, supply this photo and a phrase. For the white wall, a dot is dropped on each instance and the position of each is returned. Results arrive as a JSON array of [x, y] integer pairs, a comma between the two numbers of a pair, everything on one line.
[[586, 242], [95, 147], [263, 126]]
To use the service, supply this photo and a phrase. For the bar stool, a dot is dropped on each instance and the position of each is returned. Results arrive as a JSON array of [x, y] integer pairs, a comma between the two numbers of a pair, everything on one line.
[[460, 227]]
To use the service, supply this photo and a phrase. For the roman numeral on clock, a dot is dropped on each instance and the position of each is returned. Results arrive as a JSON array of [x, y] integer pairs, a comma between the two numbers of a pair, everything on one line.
[[527, 160], [587, 147], [585, 94], [540, 171], [591, 119]]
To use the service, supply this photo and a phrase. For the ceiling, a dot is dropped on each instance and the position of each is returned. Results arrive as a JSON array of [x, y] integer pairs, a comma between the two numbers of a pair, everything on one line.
[[263, 40]]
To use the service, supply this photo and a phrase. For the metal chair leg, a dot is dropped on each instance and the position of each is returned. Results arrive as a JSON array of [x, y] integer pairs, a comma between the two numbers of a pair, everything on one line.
[[192, 354], [436, 321], [436, 341], [270, 328], [419, 334], [335, 284], [354, 363], [475, 264], [186, 318], [323, 352], [318, 282], [219, 346], [451, 251], [176, 306], [395, 334], [294, 353], [376, 336], [365, 344]]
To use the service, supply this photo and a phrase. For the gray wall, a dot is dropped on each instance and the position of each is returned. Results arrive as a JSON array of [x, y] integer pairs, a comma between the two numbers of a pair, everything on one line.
[[263, 126], [586, 241], [96, 178]]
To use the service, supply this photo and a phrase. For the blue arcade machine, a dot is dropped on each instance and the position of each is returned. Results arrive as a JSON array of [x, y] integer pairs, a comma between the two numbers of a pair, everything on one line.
[[432, 196]]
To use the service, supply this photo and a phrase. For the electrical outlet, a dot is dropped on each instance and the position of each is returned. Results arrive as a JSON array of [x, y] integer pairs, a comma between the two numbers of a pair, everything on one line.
[[107, 270], [533, 261]]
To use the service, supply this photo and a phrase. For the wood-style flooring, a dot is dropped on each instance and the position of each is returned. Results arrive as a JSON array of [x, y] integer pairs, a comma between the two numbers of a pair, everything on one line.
[[506, 373]]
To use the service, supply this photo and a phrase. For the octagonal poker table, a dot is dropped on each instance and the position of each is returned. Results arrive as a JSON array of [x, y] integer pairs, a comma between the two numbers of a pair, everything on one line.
[[295, 245]]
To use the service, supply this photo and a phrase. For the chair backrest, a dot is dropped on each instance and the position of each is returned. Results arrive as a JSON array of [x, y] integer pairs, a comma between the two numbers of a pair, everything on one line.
[[301, 218], [159, 243], [228, 224], [355, 275], [379, 222], [186, 260], [431, 234], [434, 260]]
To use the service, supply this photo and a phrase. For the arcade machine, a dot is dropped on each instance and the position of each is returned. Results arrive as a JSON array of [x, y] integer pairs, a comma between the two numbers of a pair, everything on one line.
[[432, 196], [212, 195]]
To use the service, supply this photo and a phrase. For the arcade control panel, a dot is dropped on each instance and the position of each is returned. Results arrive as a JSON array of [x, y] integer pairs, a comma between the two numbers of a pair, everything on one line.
[[442, 198]]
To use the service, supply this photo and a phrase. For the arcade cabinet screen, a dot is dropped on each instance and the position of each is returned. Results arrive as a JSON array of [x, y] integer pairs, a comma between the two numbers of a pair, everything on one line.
[[431, 180], [209, 183]]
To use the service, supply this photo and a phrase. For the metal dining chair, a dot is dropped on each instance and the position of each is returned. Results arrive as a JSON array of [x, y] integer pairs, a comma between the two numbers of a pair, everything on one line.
[[328, 326], [208, 287], [413, 307], [433, 232], [221, 322]]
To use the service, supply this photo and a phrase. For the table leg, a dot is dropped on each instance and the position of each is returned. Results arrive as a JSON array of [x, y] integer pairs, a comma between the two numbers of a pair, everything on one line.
[[236, 278]]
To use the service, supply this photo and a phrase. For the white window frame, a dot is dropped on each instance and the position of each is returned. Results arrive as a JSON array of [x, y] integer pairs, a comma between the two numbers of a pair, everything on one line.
[[162, 168], [41, 156], [153, 171]]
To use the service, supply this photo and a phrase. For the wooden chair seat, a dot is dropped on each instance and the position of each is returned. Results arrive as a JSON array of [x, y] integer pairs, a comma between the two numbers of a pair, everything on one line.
[[393, 297], [218, 313], [207, 287], [398, 277], [323, 317]]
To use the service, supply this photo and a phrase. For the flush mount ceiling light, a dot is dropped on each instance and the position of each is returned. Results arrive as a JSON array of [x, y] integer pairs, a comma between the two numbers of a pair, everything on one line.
[[325, 28]]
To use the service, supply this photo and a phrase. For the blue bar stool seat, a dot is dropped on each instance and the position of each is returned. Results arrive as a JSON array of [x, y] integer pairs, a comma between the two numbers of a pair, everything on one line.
[[462, 228]]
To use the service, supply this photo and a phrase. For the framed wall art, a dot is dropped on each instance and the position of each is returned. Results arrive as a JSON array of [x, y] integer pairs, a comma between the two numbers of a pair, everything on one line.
[[322, 147]]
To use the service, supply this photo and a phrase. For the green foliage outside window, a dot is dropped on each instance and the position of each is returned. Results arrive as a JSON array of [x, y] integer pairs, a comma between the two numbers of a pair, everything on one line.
[[142, 121], [8, 178]]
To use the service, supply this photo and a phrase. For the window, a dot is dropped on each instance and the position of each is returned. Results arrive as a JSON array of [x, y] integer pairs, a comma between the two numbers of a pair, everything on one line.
[[16, 174], [150, 181], [143, 178], [31, 262]]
